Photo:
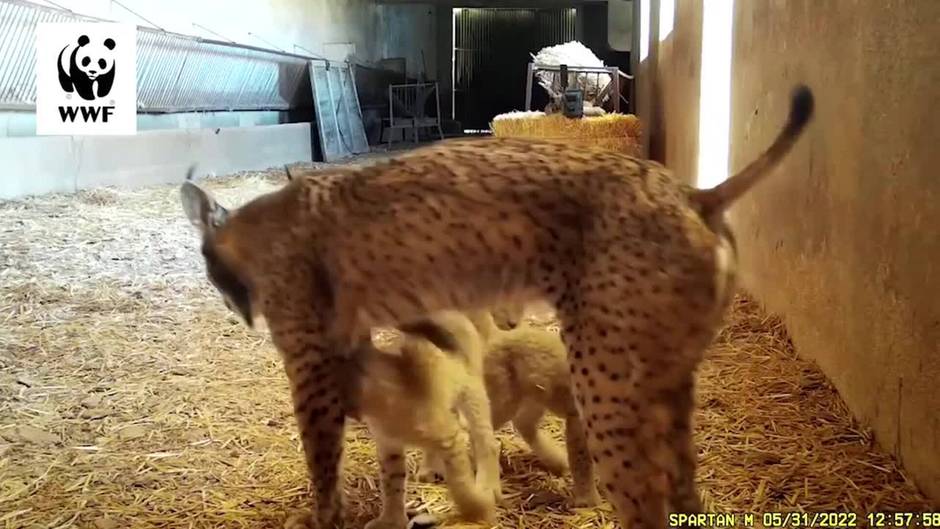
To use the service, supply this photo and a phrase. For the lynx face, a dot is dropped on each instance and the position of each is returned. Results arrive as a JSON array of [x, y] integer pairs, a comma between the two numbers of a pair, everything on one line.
[[209, 218]]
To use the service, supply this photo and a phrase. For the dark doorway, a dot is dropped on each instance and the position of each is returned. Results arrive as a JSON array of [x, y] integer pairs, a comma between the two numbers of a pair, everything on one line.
[[491, 51]]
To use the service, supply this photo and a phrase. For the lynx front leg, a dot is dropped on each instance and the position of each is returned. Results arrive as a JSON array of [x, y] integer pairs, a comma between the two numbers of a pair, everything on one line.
[[450, 447], [582, 467], [391, 456], [475, 407], [316, 374]]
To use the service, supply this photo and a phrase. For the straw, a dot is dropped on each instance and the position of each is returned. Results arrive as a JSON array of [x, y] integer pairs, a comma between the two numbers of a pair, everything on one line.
[[617, 132]]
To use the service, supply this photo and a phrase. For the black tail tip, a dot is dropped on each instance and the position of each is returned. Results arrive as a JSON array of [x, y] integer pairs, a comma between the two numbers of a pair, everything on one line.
[[802, 105], [191, 173]]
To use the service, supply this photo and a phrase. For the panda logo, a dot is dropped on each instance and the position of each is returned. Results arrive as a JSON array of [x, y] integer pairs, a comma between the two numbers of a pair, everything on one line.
[[87, 68]]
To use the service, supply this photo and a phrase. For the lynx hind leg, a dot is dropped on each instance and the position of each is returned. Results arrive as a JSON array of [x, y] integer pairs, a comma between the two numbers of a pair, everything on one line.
[[584, 489], [430, 468], [475, 407], [685, 497], [626, 374], [473, 502], [549, 453], [391, 455]]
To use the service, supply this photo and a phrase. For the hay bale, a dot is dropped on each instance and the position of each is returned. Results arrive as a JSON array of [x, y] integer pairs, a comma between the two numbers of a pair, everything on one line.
[[573, 54], [615, 132]]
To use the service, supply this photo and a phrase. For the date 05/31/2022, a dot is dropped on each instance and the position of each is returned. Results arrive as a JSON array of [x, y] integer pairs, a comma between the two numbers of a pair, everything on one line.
[[808, 520]]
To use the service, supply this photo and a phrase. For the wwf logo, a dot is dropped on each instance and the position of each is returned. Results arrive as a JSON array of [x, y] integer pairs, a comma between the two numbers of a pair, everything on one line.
[[87, 68], [86, 78]]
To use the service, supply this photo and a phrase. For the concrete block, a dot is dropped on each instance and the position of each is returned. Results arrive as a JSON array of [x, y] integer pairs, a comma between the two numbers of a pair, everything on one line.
[[32, 167], [37, 165]]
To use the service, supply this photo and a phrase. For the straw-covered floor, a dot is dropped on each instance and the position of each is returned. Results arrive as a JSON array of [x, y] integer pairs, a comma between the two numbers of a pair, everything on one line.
[[129, 397]]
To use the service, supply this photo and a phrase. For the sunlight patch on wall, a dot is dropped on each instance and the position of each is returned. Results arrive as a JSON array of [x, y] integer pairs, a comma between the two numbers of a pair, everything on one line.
[[644, 29], [667, 18], [715, 96]]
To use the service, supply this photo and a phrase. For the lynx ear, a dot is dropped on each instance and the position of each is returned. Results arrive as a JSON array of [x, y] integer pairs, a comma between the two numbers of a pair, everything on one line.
[[201, 209]]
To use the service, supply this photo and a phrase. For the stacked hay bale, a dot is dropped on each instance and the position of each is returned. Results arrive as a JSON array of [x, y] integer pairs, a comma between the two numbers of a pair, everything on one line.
[[615, 132]]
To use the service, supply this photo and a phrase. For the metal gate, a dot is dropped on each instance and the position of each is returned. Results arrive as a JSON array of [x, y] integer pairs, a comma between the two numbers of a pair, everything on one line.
[[491, 53]]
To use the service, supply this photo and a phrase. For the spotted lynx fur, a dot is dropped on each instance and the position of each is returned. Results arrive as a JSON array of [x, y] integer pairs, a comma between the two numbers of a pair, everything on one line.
[[410, 399], [639, 267], [526, 373]]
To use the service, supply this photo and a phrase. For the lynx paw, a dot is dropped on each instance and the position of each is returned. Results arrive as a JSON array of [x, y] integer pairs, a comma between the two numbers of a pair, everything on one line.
[[586, 499], [478, 507], [555, 464], [552, 457], [429, 475]]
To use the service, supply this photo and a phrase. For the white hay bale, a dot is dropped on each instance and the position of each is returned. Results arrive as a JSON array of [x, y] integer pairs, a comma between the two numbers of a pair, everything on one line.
[[519, 114], [571, 54]]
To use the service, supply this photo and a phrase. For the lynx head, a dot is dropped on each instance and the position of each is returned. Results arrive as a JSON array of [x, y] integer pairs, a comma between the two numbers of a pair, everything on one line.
[[212, 220], [508, 315]]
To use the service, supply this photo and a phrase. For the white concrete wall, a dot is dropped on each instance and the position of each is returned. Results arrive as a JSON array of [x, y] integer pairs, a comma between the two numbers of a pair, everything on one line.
[[15, 123], [47, 164]]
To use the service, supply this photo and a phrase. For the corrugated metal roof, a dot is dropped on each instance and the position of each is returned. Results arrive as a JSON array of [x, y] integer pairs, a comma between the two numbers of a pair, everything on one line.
[[18, 51], [175, 73]]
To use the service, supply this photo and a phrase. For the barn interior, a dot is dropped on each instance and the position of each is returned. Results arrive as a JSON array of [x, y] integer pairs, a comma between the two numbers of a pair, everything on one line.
[[130, 396]]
